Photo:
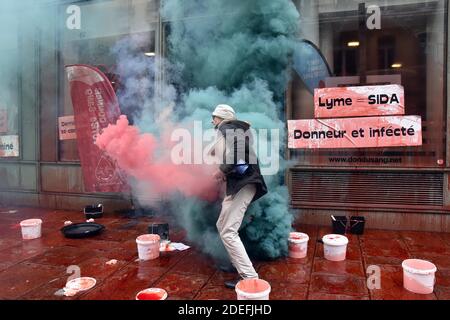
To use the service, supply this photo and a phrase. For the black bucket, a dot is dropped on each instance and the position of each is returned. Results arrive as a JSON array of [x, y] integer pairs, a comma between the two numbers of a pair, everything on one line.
[[339, 225], [161, 229], [357, 225], [94, 211]]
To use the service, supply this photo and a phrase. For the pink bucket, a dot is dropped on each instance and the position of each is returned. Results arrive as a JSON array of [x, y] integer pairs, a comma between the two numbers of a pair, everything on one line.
[[253, 289], [31, 229], [419, 276], [148, 246], [298, 245]]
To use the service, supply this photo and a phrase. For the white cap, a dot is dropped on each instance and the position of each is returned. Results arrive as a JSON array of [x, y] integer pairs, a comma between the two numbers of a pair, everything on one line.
[[225, 112], [30, 222], [335, 240], [419, 266], [147, 239], [298, 237]]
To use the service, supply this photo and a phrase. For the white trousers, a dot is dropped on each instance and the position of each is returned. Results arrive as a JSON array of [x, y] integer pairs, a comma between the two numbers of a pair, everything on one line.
[[228, 224]]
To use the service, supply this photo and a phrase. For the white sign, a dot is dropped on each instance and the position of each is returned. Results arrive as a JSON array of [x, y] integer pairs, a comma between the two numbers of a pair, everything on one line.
[[67, 128], [9, 146]]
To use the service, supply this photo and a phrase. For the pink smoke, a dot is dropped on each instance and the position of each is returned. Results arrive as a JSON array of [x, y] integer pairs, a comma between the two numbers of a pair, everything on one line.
[[135, 154]]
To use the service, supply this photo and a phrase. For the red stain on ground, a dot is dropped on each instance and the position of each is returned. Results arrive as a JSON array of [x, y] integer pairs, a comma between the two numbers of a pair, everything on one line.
[[36, 269], [152, 294]]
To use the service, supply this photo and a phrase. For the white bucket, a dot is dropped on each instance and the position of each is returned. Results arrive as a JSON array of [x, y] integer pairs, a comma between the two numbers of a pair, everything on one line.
[[335, 247], [31, 229], [253, 289], [298, 245], [419, 276], [148, 246]]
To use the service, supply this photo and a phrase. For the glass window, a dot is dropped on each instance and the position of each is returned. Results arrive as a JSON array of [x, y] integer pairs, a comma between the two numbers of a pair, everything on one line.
[[9, 82], [103, 25], [408, 49]]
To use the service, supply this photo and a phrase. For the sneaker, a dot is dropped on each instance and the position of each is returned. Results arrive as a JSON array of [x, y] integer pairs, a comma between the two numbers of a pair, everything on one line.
[[231, 284]]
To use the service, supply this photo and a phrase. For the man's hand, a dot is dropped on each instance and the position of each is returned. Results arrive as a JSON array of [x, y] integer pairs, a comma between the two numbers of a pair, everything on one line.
[[219, 176]]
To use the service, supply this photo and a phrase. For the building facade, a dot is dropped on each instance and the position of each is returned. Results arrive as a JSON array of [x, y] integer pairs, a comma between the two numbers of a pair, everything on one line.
[[363, 42], [403, 187]]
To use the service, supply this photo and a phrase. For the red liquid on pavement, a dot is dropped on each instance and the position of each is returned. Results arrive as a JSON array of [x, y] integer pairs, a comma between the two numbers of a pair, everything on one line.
[[150, 295]]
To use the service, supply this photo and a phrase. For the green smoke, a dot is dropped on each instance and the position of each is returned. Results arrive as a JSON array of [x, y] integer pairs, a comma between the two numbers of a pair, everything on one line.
[[236, 52], [228, 43]]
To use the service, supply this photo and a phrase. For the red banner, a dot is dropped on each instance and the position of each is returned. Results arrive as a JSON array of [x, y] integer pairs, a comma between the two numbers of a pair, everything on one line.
[[370, 132], [339, 102], [95, 106]]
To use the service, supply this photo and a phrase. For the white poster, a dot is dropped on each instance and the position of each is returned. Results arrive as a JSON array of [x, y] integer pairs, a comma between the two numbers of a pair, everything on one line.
[[9, 146], [67, 128]]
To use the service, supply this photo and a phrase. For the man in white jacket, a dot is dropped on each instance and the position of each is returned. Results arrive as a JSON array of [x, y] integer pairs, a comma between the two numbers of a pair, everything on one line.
[[244, 184]]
